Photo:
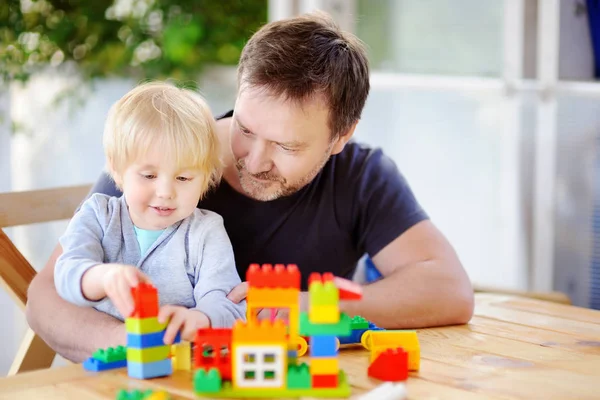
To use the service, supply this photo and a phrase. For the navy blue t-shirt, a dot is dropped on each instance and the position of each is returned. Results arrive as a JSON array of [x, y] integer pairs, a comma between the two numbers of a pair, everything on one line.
[[356, 205]]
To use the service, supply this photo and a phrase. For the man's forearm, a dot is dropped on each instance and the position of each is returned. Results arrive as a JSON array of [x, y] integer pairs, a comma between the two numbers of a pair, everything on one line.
[[73, 332], [416, 296]]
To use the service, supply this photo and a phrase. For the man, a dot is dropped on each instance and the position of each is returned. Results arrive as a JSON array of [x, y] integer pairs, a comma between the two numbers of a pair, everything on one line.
[[297, 190]]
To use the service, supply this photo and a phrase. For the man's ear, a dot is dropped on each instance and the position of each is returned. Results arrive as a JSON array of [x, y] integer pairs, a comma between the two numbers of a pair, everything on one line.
[[340, 142]]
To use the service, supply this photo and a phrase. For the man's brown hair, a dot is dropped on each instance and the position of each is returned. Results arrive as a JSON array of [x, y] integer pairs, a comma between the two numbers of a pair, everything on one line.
[[308, 56]]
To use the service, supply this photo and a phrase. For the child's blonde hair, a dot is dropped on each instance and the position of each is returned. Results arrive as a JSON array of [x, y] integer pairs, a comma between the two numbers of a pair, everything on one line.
[[157, 113]]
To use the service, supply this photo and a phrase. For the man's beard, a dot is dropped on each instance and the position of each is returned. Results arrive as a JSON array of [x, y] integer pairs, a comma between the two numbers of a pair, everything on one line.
[[258, 190]]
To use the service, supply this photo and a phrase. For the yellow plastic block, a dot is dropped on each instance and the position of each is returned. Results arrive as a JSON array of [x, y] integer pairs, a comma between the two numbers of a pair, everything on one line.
[[149, 354], [379, 341], [143, 325], [323, 294], [324, 314], [182, 356], [264, 331], [272, 298], [324, 366]]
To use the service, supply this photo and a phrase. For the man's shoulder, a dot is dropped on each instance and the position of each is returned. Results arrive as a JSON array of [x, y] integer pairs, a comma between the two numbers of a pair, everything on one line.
[[359, 161]]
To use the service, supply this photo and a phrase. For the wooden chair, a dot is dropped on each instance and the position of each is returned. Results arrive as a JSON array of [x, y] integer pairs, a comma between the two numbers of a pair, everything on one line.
[[16, 273]]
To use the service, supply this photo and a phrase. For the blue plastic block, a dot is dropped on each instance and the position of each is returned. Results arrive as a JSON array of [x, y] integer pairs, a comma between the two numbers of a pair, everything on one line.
[[323, 346], [148, 340], [353, 338], [91, 364], [149, 370]]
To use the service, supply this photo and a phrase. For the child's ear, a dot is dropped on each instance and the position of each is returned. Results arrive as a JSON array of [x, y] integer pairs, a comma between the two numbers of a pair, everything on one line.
[[114, 174]]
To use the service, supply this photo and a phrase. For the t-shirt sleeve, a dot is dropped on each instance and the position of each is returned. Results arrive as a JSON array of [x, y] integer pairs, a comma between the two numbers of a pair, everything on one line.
[[384, 205]]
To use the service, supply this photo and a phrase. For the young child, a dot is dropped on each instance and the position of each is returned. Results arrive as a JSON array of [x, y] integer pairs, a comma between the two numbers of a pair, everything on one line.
[[162, 151]]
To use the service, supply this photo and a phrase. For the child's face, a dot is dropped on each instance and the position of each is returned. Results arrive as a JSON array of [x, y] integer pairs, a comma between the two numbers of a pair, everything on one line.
[[158, 193]]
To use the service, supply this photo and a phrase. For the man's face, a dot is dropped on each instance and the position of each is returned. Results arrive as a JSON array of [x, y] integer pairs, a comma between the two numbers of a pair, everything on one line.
[[279, 146]]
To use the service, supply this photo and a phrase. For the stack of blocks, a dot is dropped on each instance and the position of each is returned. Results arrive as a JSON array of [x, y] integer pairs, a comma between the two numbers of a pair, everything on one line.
[[147, 355], [324, 309]]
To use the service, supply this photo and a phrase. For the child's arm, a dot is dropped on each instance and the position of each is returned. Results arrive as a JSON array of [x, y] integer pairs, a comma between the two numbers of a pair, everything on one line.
[[215, 276], [82, 250], [80, 275]]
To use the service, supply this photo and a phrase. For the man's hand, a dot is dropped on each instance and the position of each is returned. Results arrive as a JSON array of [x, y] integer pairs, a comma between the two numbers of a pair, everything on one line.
[[238, 293], [188, 321]]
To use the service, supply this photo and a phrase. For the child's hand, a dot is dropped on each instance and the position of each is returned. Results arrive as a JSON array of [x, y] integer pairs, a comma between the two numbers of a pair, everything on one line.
[[188, 321], [117, 282]]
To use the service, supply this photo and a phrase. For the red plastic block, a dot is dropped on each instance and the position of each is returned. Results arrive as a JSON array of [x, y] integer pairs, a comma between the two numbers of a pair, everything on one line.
[[145, 300], [217, 339], [324, 381], [391, 365], [348, 290], [284, 277]]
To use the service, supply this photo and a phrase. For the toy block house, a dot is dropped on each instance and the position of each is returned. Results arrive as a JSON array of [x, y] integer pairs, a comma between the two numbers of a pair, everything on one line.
[[260, 355]]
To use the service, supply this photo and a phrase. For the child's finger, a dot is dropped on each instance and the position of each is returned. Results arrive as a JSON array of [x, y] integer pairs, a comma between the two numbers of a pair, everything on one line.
[[125, 298], [175, 324], [165, 313], [131, 276]]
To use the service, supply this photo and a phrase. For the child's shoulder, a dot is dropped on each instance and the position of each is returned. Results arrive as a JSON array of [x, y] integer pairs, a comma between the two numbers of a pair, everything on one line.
[[205, 218], [102, 203]]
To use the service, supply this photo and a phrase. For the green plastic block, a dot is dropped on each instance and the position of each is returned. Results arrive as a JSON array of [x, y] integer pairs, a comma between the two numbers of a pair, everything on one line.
[[227, 391], [133, 395], [207, 382], [298, 377], [341, 328], [324, 294], [359, 322], [111, 354]]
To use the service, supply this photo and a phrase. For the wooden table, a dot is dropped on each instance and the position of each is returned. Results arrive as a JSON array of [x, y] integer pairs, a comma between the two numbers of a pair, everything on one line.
[[513, 348]]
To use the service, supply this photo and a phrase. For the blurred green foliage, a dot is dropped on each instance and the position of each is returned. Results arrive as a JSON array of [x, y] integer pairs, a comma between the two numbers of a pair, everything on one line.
[[143, 39]]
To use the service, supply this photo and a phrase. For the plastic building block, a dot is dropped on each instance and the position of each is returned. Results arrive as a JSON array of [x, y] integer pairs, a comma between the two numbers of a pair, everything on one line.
[[228, 391], [323, 346], [145, 298], [111, 354], [329, 314], [149, 339], [268, 277], [144, 325], [182, 356], [386, 391], [259, 332], [348, 290], [298, 377], [91, 364], [207, 382], [148, 354], [272, 297], [149, 370], [390, 365], [324, 366], [342, 328], [145, 395], [215, 340], [133, 394], [379, 341], [359, 322], [322, 293], [324, 381]]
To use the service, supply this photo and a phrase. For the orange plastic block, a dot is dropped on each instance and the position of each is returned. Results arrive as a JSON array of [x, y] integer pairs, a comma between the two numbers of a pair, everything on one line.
[[390, 365], [145, 299], [265, 332], [348, 290], [285, 277], [324, 381], [272, 297]]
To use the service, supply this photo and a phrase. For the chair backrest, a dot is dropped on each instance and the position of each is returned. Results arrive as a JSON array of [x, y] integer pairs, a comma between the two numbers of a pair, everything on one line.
[[16, 273]]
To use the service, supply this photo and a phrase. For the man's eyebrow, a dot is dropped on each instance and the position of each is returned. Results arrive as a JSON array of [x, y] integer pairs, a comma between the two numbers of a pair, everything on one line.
[[291, 144]]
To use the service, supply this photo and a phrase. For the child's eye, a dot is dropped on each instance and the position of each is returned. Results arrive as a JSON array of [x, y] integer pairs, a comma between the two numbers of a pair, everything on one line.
[[183, 179], [149, 176]]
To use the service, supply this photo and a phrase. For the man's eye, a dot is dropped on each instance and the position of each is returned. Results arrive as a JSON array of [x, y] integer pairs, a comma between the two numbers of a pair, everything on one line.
[[287, 149], [246, 132]]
